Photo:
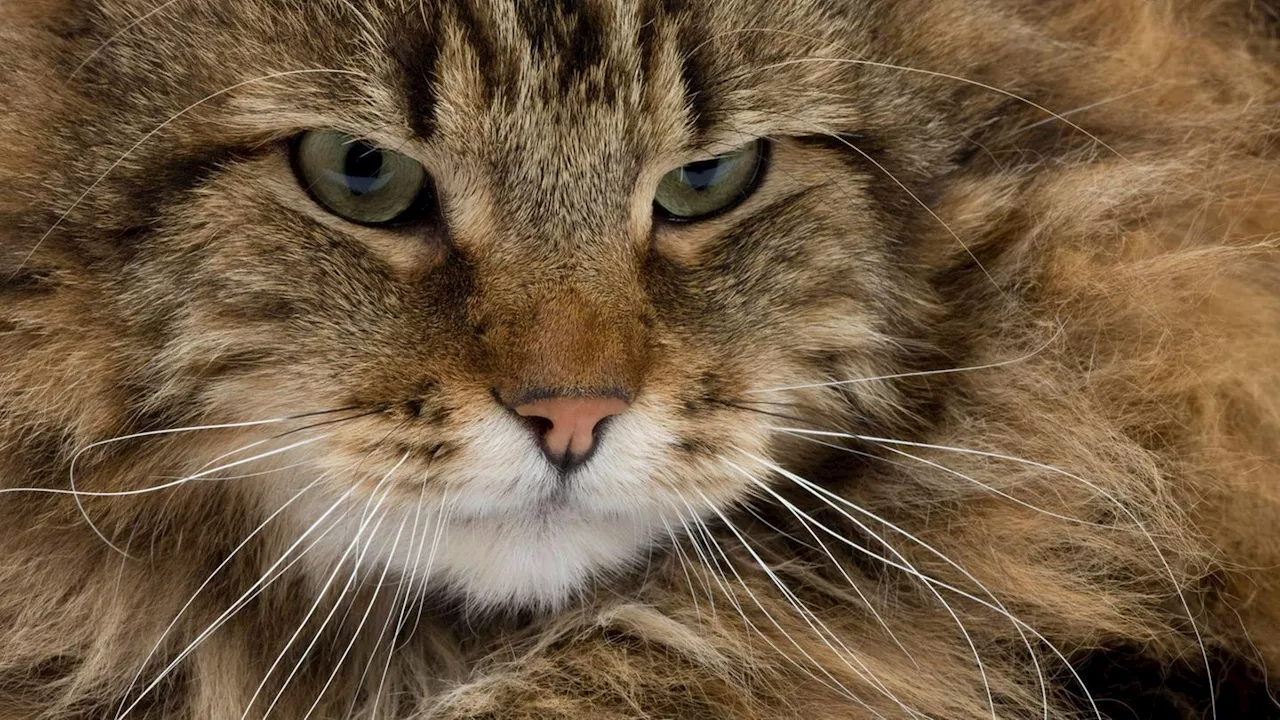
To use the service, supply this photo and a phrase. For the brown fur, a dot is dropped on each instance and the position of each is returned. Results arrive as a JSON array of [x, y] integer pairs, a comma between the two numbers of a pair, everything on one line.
[[1112, 274]]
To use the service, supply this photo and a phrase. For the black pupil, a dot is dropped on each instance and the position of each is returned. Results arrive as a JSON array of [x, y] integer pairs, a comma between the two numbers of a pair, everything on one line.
[[362, 167], [702, 174]]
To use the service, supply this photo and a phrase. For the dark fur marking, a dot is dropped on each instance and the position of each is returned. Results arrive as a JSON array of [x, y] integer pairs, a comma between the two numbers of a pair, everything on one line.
[[572, 31], [416, 51], [657, 15], [159, 187], [493, 59], [414, 407], [27, 281], [237, 362], [700, 102], [1130, 685], [695, 446]]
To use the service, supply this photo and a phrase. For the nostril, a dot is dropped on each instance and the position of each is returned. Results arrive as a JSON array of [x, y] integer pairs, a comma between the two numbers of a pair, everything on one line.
[[538, 424], [567, 427]]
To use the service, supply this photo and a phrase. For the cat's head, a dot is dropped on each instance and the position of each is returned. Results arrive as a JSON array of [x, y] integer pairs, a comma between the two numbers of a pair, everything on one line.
[[557, 268]]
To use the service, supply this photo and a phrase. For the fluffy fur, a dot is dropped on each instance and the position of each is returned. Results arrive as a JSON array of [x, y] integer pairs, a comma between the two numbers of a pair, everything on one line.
[[972, 410]]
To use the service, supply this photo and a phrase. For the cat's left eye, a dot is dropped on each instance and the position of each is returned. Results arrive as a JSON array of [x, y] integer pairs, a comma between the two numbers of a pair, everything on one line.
[[706, 188], [359, 181]]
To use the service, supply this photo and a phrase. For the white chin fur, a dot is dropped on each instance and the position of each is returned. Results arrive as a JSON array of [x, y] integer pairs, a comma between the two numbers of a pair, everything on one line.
[[503, 543], [541, 561]]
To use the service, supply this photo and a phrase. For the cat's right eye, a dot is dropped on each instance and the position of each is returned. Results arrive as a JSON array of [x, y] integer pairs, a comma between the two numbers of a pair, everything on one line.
[[359, 181]]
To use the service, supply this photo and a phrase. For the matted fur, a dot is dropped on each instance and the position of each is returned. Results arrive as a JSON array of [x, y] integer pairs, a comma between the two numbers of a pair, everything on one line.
[[1068, 206]]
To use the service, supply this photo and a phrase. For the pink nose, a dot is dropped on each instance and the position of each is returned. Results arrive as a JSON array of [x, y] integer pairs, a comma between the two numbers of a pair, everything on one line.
[[569, 430]]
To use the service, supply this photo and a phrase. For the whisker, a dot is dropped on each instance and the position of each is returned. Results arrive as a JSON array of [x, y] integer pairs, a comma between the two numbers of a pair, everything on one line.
[[199, 428], [1186, 606], [777, 530], [351, 585], [1000, 493], [355, 542], [683, 560], [839, 687], [355, 636], [931, 73], [706, 564], [822, 547], [117, 35], [947, 606], [78, 494], [721, 579], [921, 373], [417, 556], [244, 476], [442, 522], [226, 561], [1085, 108], [994, 605], [267, 578], [915, 198], [808, 616], [956, 473], [405, 597], [231, 88]]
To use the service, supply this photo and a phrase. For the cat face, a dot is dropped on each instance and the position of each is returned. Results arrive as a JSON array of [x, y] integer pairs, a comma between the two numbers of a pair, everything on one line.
[[508, 330]]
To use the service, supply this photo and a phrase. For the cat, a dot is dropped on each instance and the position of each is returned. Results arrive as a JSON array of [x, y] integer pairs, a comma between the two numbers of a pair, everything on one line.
[[639, 359]]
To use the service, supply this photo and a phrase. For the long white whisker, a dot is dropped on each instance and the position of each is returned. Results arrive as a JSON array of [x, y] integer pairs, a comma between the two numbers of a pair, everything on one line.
[[822, 547], [351, 585], [78, 494], [706, 564], [337, 568], [268, 577], [373, 654], [684, 566], [442, 521], [417, 556], [721, 579], [231, 88], [244, 476], [915, 198], [955, 78], [947, 606], [994, 605], [355, 634], [967, 478], [1186, 606], [404, 597], [921, 373], [1085, 108], [809, 617], [226, 561], [839, 687]]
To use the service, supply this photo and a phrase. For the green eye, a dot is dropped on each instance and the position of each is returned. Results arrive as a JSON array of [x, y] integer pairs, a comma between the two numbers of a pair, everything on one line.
[[709, 187], [358, 181]]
